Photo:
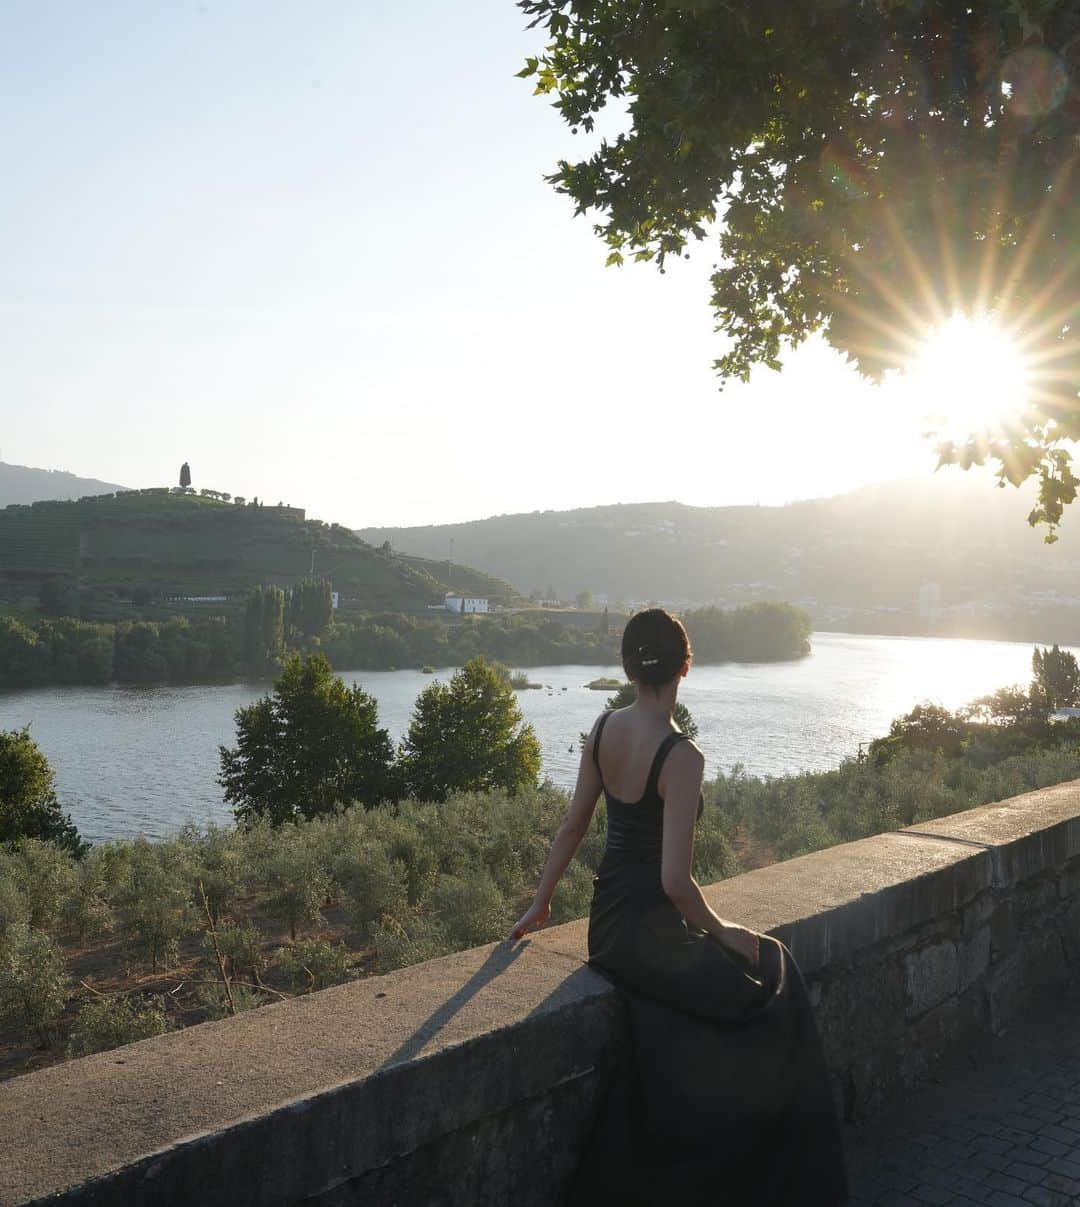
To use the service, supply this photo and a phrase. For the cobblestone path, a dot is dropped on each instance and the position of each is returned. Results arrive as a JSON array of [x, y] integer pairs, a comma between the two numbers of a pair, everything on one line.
[[1003, 1131]]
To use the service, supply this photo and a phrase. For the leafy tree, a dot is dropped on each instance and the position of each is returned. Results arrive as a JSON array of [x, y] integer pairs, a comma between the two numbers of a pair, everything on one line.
[[468, 735], [312, 746], [926, 727], [868, 168], [311, 606], [264, 629], [28, 804], [583, 600], [1055, 679]]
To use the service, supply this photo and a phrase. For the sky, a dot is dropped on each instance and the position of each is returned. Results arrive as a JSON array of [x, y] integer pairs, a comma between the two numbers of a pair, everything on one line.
[[308, 248]]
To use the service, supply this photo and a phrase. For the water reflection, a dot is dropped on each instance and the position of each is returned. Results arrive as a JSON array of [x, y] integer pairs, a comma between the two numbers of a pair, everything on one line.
[[144, 759]]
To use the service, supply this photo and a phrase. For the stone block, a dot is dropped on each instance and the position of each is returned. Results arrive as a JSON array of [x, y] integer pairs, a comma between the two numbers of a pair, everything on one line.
[[978, 913], [1005, 990], [930, 977], [1004, 931], [974, 957], [1025, 835]]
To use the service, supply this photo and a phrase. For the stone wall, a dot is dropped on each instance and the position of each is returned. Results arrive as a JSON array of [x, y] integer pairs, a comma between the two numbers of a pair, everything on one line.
[[471, 1079]]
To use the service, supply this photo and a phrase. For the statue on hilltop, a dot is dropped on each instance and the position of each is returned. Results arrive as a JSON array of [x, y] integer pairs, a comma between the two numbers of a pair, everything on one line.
[[185, 474]]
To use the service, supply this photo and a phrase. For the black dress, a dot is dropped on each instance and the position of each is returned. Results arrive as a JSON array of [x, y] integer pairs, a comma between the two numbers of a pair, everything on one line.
[[722, 1096]]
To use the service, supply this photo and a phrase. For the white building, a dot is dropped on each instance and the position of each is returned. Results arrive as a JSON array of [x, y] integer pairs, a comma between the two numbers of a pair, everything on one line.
[[464, 603]]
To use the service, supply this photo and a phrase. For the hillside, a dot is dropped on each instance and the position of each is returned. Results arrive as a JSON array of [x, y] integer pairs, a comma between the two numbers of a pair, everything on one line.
[[854, 561], [23, 484], [147, 546]]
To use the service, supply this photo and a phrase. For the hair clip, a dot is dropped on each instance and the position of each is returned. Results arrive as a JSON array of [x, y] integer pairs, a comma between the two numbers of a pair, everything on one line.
[[649, 661]]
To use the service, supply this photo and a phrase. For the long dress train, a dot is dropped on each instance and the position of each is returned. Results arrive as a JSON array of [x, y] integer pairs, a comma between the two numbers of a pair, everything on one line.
[[722, 1095]]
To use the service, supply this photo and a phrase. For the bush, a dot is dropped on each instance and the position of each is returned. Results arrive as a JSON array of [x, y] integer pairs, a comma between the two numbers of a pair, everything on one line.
[[110, 1022], [314, 964], [242, 947], [471, 910], [13, 906], [34, 987], [400, 944], [215, 1001]]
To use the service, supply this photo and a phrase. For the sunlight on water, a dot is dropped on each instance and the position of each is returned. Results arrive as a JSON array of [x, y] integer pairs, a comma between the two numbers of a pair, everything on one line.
[[144, 760]]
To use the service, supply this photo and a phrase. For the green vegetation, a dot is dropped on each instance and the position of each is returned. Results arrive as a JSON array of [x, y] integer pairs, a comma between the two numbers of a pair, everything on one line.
[[139, 554], [468, 736], [311, 903], [211, 648], [311, 746], [28, 804], [883, 164]]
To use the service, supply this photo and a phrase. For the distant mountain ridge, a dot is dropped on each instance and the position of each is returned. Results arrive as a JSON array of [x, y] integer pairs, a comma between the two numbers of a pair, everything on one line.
[[951, 550], [25, 484]]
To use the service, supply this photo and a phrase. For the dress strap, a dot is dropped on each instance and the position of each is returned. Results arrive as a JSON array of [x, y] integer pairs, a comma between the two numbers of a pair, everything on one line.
[[596, 745], [652, 788]]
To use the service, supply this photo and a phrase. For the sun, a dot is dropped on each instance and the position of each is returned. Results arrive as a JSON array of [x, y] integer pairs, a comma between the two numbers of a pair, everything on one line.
[[969, 375]]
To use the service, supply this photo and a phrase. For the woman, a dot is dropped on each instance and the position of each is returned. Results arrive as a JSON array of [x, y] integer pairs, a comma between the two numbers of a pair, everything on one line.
[[724, 1097]]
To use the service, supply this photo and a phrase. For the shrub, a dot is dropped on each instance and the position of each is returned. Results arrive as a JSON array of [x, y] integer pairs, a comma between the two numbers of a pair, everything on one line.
[[400, 944], [314, 964], [34, 987], [471, 910], [110, 1022], [13, 906], [215, 1001], [240, 945], [574, 894]]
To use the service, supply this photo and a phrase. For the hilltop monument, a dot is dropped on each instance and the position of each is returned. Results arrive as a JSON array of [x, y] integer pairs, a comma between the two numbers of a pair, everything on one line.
[[185, 474]]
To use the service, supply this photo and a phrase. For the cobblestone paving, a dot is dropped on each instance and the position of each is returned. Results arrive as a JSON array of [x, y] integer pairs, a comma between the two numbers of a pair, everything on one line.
[[1004, 1132]]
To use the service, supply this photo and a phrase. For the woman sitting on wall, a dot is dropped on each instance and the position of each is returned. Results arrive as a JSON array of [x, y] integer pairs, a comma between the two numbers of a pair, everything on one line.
[[724, 1097]]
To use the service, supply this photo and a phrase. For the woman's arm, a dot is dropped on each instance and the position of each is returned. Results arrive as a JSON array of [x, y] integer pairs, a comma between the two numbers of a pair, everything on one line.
[[566, 842], [681, 790]]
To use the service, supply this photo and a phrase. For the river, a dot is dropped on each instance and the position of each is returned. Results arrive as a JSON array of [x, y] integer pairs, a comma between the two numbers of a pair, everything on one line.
[[143, 760]]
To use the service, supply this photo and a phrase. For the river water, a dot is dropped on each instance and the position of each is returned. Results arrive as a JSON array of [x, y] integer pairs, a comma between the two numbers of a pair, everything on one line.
[[133, 760]]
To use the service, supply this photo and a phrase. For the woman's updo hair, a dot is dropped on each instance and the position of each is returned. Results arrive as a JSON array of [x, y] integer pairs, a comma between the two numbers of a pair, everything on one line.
[[654, 647]]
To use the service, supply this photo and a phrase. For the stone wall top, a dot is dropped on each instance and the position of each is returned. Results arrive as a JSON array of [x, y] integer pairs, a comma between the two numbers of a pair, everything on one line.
[[294, 1100]]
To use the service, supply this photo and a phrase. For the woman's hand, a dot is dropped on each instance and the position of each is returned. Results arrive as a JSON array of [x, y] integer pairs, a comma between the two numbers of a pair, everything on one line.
[[741, 941], [532, 919]]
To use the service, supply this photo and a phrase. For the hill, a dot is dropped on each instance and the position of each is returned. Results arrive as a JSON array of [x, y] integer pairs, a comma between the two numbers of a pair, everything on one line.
[[951, 556], [148, 547], [23, 484]]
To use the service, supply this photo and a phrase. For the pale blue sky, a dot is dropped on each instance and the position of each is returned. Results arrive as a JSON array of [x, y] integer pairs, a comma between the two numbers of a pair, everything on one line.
[[308, 248]]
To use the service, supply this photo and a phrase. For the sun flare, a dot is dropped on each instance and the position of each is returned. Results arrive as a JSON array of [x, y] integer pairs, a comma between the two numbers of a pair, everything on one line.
[[968, 376]]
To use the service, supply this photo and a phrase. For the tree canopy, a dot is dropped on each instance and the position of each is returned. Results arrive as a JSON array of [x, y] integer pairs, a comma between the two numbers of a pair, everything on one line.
[[311, 747], [869, 166], [28, 804], [468, 736]]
